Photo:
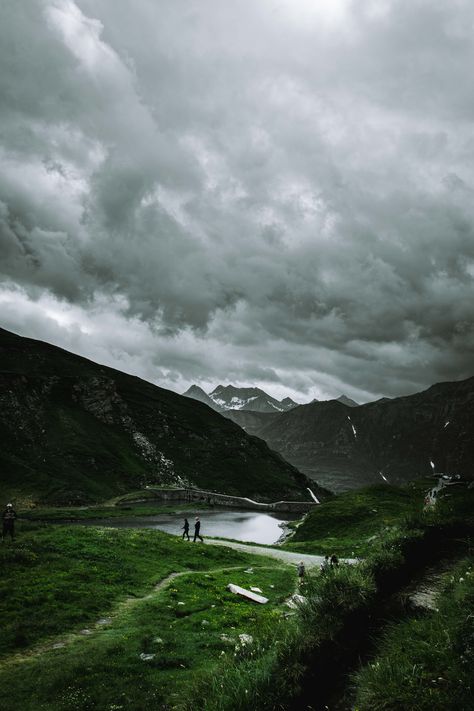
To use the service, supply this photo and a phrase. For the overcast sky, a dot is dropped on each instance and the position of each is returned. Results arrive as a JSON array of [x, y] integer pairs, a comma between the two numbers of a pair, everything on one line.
[[265, 192]]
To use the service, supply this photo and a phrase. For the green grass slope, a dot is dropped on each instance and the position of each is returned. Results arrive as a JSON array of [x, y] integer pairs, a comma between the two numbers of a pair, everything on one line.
[[63, 580], [348, 524], [425, 662], [74, 431]]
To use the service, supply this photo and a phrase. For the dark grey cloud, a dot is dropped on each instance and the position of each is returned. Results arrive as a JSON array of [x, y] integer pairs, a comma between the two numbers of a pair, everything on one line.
[[277, 193]]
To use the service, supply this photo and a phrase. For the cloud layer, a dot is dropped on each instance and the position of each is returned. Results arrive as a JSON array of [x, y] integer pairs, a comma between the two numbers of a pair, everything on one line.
[[276, 193]]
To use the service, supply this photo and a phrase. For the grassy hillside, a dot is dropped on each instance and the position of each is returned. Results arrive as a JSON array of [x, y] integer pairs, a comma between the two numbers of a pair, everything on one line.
[[348, 524], [102, 636], [74, 431], [425, 661]]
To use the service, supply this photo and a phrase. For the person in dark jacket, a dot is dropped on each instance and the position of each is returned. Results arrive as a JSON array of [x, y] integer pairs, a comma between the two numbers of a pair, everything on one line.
[[301, 573], [8, 517], [186, 529], [197, 528]]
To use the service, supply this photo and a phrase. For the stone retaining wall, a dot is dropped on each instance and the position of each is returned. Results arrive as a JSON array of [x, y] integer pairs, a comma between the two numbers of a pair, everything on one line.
[[213, 499]]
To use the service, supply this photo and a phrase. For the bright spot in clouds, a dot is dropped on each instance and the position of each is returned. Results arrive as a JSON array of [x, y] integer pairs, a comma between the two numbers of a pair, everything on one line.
[[273, 193]]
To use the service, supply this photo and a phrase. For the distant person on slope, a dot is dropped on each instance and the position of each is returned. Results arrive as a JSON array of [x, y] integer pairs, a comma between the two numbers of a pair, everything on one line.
[[8, 516], [197, 528], [325, 564], [334, 561], [186, 529], [301, 573]]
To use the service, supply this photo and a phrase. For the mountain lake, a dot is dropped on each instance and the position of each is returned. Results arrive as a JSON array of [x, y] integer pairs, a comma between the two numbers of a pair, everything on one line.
[[245, 526]]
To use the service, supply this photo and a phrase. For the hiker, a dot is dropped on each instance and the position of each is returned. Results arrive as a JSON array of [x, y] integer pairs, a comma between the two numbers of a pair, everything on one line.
[[186, 529], [301, 572], [325, 565], [197, 528], [8, 516], [334, 561]]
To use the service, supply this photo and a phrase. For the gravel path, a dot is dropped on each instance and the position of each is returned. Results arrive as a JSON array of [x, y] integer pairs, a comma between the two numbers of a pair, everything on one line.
[[310, 561]]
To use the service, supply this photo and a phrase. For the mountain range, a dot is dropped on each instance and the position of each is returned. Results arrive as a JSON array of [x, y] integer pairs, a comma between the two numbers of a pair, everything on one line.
[[394, 440], [73, 431], [226, 398]]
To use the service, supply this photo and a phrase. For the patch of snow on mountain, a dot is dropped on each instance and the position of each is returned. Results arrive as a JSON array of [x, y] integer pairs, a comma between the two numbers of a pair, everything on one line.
[[432, 465], [313, 496], [353, 428], [446, 424], [218, 401], [383, 477]]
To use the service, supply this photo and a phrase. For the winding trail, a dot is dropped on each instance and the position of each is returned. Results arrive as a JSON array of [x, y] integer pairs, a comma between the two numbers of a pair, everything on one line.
[[310, 561], [65, 640]]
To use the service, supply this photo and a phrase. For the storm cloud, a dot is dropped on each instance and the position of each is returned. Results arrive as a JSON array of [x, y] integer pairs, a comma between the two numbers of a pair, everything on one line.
[[276, 193]]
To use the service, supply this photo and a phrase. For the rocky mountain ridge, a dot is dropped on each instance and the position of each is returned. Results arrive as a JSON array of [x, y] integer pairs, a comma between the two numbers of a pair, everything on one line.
[[393, 440], [230, 399], [74, 431]]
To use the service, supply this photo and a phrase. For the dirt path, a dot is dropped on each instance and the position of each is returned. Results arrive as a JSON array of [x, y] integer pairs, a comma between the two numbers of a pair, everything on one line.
[[65, 640], [310, 561]]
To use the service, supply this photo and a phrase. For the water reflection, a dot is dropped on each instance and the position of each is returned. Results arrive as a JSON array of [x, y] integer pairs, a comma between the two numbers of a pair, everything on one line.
[[251, 526]]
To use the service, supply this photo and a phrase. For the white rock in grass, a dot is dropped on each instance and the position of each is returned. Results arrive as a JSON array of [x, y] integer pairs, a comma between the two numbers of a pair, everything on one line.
[[254, 589], [245, 639], [180, 603], [158, 640], [146, 657], [296, 601], [204, 623]]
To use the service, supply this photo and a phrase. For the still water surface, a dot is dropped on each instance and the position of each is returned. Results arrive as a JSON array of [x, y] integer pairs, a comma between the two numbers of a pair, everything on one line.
[[252, 526]]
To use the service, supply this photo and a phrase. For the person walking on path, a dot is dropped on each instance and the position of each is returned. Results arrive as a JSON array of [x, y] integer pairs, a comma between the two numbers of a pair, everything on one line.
[[186, 529], [197, 528], [325, 565], [301, 573], [8, 518], [334, 561]]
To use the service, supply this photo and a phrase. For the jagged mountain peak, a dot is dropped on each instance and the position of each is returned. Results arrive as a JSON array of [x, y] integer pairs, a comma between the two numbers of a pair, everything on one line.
[[197, 393], [194, 390], [231, 397], [347, 401]]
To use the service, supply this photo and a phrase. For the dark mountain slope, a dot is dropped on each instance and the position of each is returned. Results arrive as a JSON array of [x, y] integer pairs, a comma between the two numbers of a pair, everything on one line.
[[74, 431], [399, 439], [250, 421]]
